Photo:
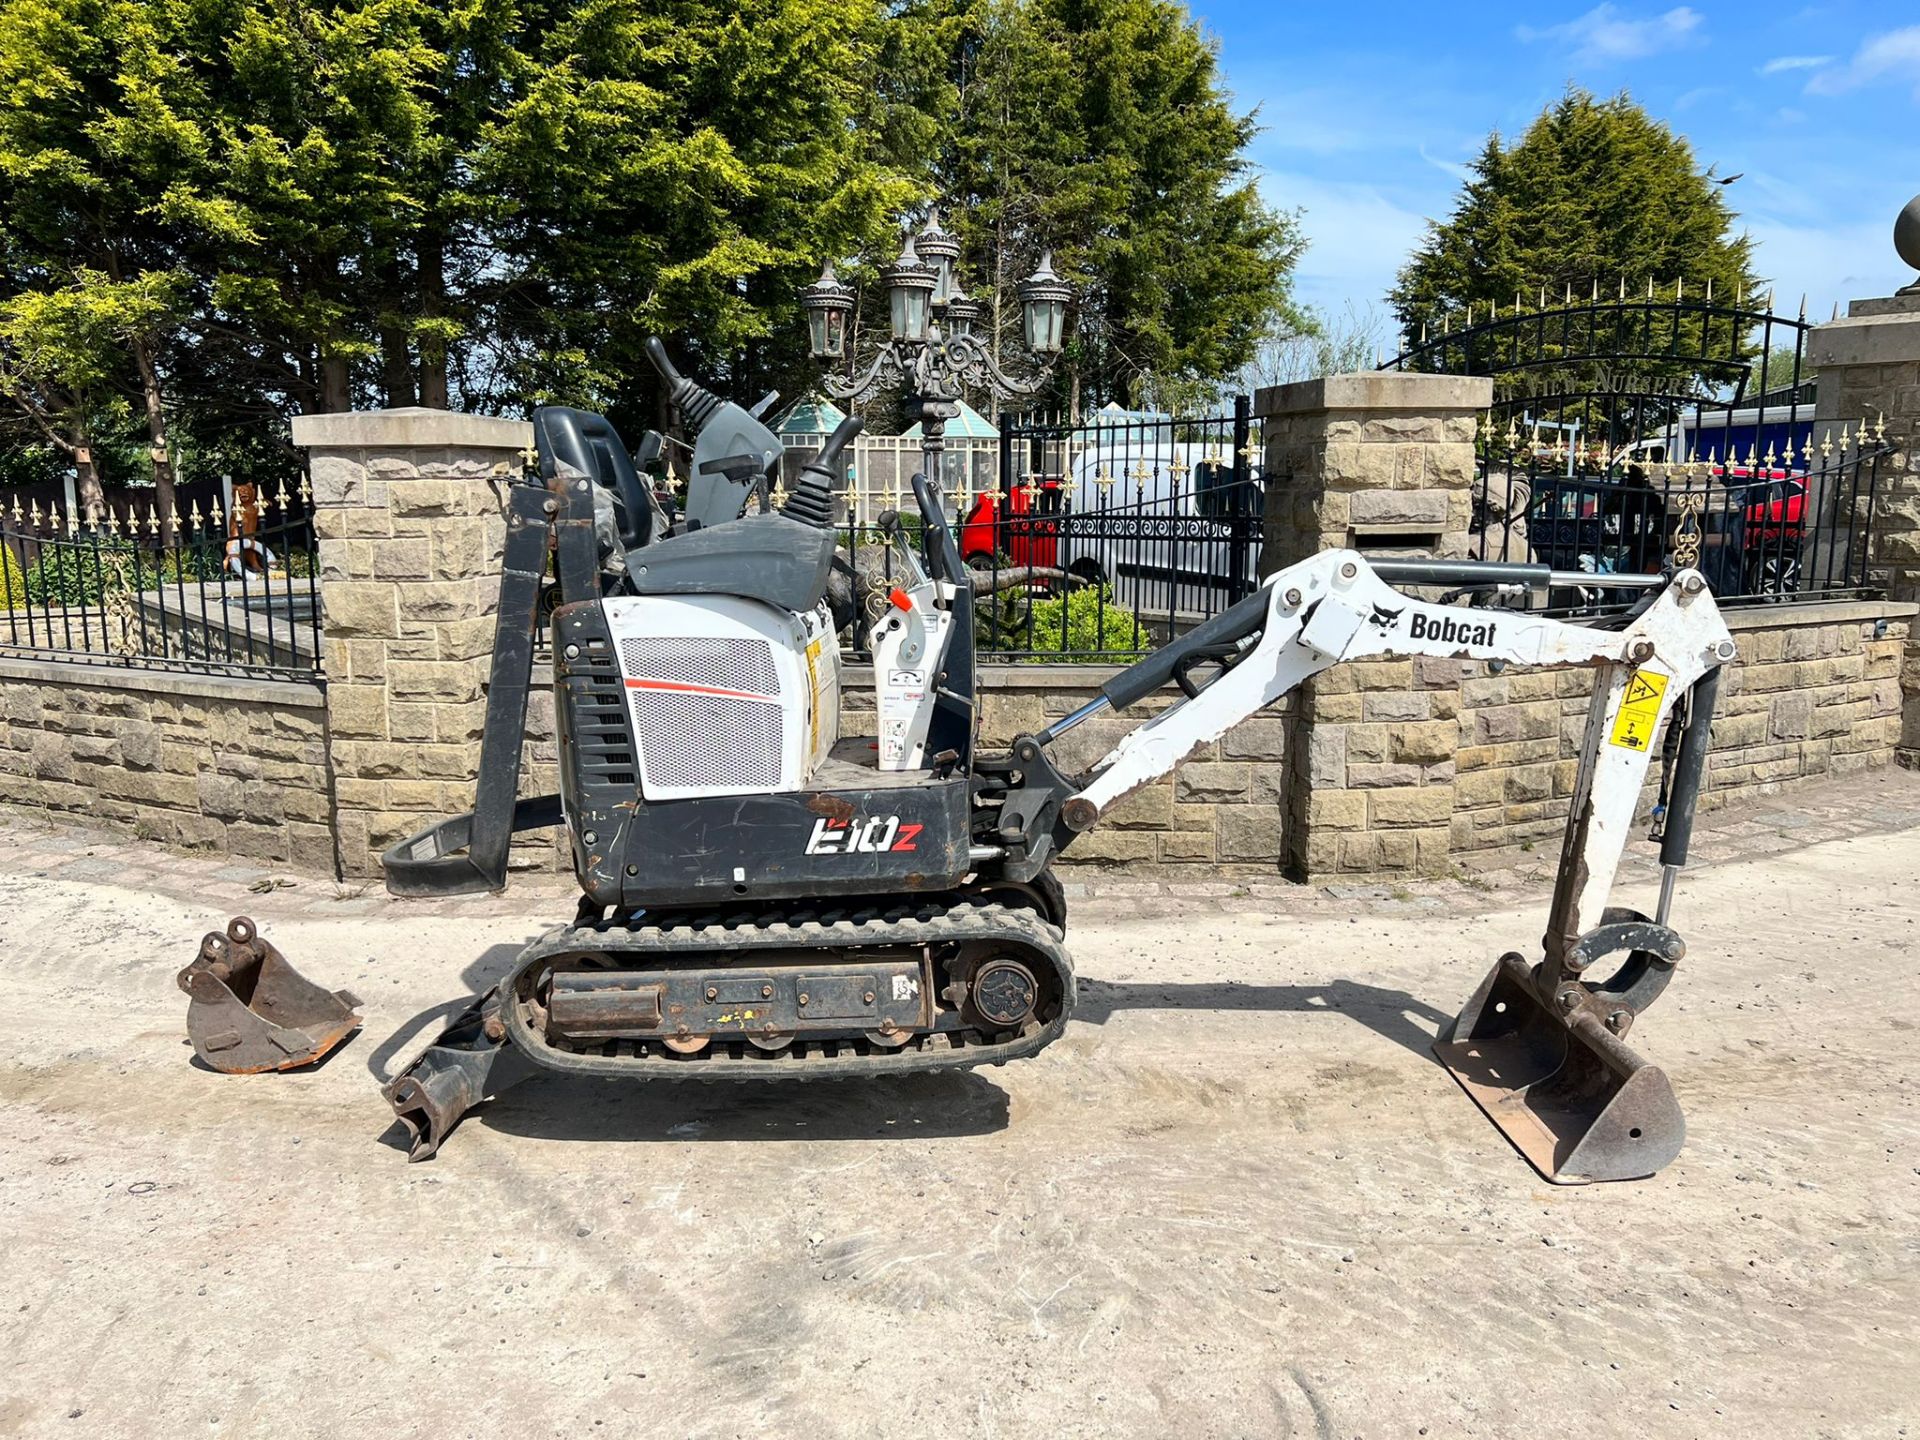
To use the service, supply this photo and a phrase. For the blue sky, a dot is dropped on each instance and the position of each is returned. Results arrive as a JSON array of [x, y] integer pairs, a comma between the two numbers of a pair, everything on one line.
[[1370, 110]]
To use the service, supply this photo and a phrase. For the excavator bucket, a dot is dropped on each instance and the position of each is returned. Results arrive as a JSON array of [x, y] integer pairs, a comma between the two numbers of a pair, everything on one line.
[[1569, 1095], [249, 1010]]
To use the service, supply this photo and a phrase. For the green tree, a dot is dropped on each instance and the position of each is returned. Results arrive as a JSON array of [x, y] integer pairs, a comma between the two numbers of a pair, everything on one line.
[[1101, 130], [677, 170], [1595, 193]]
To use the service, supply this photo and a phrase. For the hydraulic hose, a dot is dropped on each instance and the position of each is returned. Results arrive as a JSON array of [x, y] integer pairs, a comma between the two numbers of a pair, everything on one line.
[[1688, 770]]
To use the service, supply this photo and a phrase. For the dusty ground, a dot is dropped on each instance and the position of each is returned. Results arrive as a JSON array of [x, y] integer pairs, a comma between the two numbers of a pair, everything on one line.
[[1237, 1199]]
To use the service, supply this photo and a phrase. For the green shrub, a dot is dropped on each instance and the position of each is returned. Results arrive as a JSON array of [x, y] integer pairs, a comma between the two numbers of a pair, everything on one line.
[[1096, 631], [13, 581]]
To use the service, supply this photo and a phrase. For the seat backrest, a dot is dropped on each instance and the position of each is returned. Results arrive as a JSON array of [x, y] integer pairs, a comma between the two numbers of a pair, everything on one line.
[[590, 444]]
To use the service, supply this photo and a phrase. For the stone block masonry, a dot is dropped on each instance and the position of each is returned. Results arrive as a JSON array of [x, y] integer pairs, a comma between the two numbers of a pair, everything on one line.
[[1410, 766], [203, 762], [1869, 368], [407, 509]]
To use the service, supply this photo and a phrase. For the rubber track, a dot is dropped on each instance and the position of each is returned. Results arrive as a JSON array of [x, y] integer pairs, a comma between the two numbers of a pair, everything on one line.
[[694, 940]]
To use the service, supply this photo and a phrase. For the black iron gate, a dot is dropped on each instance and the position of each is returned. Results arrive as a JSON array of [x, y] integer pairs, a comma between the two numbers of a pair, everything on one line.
[[1626, 432], [1151, 522]]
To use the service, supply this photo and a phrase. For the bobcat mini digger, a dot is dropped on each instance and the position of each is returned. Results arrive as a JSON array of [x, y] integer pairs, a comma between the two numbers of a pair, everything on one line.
[[765, 899]]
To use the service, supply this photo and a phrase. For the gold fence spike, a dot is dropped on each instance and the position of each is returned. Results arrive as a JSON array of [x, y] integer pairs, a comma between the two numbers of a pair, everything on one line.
[[18, 516], [1880, 429], [113, 523], [1709, 289], [219, 520], [34, 515], [1595, 299], [153, 518], [304, 491], [1649, 287], [1803, 305], [198, 522], [280, 498], [1679, 289]]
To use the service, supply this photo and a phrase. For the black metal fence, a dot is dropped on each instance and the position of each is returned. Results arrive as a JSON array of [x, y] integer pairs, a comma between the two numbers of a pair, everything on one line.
[[219, 590], [1117, 536], [1108, 535], [1629, 432]]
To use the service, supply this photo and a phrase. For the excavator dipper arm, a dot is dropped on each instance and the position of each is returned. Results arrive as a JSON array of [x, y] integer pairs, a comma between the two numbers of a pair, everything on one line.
[[1538, 1047]]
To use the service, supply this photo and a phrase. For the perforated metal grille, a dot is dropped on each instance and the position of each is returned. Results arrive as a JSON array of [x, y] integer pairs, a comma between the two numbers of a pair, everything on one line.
[[728, 664], [699, 741]]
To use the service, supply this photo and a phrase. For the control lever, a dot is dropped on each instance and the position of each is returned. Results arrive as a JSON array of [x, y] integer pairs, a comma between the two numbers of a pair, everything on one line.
[[732, 451]]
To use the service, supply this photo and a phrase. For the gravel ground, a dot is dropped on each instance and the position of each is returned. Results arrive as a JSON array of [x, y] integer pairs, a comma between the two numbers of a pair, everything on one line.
[[1238, 1198]]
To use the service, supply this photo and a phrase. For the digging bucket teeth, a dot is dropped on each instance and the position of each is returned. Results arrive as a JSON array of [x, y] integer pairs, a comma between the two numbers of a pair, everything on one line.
[[1567, 1092], [250, 1011]]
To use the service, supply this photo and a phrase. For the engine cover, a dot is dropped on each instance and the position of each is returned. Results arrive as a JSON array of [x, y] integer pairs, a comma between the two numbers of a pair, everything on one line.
[[728, 696], [666, 807]]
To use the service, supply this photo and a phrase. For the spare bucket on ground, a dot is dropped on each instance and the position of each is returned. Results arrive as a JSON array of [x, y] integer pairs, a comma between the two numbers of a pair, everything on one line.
[[251, 1011]]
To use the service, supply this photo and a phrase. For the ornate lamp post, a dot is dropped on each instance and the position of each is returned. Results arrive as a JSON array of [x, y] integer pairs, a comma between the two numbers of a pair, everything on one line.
[[933, 345]]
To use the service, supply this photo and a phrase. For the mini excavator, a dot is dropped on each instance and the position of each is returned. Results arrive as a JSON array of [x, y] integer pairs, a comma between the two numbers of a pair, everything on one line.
[[766, 899]]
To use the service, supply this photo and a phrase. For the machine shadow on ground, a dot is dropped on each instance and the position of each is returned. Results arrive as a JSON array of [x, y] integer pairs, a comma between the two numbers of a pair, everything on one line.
[[411, 1036], [1394, 1014], [938, 1106]]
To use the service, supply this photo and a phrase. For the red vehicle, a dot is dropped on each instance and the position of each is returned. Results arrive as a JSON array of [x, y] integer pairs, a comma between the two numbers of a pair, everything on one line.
[[1021, 526]]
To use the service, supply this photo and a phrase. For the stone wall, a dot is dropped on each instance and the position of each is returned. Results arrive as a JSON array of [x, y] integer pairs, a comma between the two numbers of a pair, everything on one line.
[[1869, 368], [1815, 691], [205, 762], [1379, 462], [408, 517]]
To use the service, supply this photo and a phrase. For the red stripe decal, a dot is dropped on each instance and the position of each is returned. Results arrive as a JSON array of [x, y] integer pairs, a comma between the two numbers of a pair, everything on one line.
[[700, 690]]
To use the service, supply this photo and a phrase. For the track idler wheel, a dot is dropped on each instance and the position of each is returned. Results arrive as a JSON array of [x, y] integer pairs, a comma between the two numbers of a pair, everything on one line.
[[1004, 993]]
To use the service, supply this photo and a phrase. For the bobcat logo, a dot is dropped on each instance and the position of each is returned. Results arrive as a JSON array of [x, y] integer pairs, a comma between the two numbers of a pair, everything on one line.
[[1384, 619]]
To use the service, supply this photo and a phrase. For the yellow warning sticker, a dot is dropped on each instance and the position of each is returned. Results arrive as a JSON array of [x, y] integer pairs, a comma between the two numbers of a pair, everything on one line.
[[1640, 710]]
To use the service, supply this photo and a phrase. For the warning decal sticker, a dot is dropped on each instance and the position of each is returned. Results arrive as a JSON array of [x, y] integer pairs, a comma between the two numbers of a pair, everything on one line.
[[1639, 710]]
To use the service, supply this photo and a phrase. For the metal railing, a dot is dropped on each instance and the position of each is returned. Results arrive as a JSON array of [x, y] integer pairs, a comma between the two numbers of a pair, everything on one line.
[[1056, 583], [1626, 433], [217, 591], [1796, 527]]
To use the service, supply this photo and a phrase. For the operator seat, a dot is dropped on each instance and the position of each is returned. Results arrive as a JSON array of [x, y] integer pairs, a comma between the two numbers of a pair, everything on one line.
[[775, 559], [771, 558]]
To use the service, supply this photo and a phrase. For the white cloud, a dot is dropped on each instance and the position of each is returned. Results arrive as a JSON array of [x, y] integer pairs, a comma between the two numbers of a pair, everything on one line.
[[1895, 54], [1783, 63], [1357, 237], [1604, 33], [1457, 169], [1829, 263]]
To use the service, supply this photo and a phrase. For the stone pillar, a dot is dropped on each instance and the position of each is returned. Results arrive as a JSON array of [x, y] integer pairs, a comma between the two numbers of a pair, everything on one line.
[[1382, 463], [1868, 365], [407, 510]]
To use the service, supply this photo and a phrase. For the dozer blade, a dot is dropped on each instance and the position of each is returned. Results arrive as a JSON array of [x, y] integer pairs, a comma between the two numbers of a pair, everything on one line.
[[249, 1010], [1569, 1095]]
